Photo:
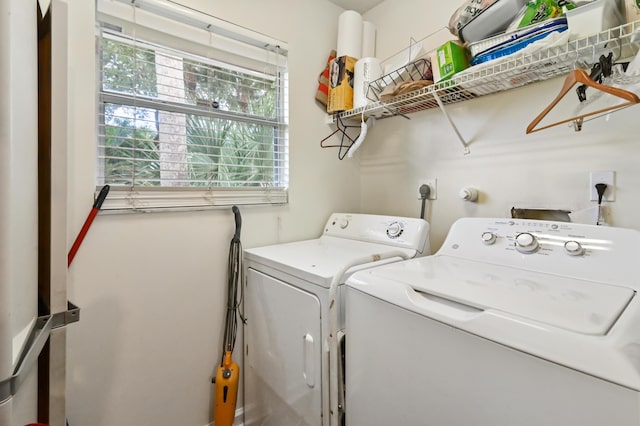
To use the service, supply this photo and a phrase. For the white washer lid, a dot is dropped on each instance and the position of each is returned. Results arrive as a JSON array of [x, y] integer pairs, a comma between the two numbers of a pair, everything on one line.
[[320, 259], [576, 305]]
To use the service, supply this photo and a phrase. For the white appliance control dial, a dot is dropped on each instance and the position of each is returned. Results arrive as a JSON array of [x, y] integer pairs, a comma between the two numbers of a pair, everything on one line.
[[574, 248], [488, 238], [526, 243], [394, 230], [343, 223]]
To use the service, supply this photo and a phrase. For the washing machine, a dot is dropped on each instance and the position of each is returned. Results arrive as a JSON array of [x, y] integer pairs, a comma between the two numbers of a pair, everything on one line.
[[510, 323], [286, 305]]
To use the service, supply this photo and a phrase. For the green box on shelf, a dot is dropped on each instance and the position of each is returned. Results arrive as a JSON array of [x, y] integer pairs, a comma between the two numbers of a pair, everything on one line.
[[451, 58]]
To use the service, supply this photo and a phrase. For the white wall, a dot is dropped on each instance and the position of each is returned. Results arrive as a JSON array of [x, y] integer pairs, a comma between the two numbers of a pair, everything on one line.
[[152, 287], [547, 169]]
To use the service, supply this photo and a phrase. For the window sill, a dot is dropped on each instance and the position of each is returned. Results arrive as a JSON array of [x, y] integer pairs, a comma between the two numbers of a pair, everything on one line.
[[147, 200]]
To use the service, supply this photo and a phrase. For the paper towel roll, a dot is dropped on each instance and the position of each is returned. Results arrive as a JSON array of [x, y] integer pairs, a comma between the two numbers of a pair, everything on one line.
[[366, 70], [350, 34], [368, 40]]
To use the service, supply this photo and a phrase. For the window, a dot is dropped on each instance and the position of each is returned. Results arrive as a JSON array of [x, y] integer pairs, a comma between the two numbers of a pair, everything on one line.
[[192, 111]]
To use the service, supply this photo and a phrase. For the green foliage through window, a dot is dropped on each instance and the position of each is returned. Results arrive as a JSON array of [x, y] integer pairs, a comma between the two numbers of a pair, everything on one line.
[[169, 119]]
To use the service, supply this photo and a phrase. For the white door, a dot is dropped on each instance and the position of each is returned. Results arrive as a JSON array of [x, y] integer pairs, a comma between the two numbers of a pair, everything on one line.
[[283, 353], [18, 200]]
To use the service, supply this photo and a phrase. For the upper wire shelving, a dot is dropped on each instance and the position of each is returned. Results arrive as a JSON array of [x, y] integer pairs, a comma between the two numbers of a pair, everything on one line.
[[509, 72]]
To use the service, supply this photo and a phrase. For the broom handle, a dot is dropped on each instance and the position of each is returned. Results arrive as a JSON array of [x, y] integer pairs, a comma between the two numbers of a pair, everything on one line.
[[87, 223]]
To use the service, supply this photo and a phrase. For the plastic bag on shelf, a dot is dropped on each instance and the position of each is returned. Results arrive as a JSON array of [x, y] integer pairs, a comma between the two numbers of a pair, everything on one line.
[[481, 80], [466, 12], [537, 11], [322, 92]]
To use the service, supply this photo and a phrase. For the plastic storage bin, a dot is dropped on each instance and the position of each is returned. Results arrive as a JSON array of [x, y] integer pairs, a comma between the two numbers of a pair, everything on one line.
[[593, 18]]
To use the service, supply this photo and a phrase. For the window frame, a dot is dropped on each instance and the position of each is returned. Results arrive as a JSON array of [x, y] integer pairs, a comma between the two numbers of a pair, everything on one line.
[[153, 17]]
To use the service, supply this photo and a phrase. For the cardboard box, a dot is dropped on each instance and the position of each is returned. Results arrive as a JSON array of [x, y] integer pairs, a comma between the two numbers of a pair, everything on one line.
[[341, 74], [450, 58]]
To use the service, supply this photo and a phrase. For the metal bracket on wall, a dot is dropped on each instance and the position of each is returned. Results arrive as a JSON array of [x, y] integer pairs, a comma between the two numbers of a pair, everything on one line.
[[33, 346], [30, 352], [71, 315], [455, 129]]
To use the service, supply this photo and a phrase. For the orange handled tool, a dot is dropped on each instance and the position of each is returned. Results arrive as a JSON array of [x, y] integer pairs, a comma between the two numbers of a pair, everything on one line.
[[226, 391], [228, 372]]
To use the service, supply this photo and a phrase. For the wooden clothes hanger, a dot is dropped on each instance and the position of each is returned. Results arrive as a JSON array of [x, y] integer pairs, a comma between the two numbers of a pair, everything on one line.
[[580, 76]]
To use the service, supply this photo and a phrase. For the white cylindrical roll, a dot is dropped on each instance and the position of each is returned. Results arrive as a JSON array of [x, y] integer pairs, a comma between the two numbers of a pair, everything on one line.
[[366, 70], [350, 34], [368, 40]]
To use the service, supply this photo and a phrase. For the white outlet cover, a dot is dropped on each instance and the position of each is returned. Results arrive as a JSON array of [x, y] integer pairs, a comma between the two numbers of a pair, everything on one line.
[[607, 177], [433, 186]]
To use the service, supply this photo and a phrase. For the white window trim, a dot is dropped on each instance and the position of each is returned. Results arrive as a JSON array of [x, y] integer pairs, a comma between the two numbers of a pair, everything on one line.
[[249, 43], [148, 12], [125, 200]]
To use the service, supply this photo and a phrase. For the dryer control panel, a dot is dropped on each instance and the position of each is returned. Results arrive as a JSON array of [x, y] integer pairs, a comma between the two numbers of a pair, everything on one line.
[[405, 232], [590, 252]]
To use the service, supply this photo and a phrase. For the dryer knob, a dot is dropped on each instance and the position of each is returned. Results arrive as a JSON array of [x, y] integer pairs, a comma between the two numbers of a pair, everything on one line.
[[526, 243], [574, 248], [394, 230], [488, 238]]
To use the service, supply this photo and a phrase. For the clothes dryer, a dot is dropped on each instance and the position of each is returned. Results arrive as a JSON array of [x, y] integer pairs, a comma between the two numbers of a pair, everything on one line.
[[511, 322], [287, 293]]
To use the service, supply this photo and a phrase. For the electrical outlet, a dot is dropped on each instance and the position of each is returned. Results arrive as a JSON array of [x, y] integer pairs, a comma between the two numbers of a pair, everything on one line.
[[433, 189], [607, 177]]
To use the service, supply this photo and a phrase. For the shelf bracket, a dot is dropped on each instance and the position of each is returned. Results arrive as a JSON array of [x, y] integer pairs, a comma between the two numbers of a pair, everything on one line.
[[453, 125], [62, 319], [35, 342], [28, 357]]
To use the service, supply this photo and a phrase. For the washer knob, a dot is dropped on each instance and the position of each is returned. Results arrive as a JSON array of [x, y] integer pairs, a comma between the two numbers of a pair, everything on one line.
[[573, 248], [488, 238], [394, 230], [526, 243], [343, 223]]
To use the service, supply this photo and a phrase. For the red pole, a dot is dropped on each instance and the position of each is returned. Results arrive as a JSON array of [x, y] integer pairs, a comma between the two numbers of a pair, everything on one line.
[[87, 223]]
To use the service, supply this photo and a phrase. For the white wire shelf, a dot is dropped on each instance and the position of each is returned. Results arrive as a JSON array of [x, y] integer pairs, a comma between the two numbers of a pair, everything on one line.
[[510, 72]]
